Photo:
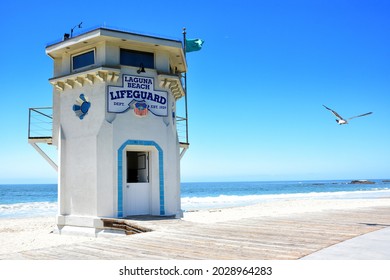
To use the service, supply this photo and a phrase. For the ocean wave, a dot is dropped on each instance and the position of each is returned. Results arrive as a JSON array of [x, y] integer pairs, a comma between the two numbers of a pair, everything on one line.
[[28, 209], [193, 203]]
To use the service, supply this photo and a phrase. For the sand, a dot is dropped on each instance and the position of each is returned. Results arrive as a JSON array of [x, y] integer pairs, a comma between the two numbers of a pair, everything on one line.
[[21, 234], [281, 208]]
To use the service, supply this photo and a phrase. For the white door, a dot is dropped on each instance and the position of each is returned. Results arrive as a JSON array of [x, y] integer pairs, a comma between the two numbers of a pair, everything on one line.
[[137, 198]]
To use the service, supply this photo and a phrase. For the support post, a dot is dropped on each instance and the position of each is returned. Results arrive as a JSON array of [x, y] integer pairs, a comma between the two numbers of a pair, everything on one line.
[[185, 83], [45, 156]]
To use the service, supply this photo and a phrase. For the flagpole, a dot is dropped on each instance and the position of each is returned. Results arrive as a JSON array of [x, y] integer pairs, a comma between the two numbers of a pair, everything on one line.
[[185, 82]]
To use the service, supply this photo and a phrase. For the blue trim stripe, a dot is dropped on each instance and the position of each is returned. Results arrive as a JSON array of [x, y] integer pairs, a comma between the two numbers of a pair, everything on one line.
[[120, 172]]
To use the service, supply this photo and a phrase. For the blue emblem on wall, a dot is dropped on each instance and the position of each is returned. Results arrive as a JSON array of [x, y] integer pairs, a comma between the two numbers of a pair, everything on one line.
[[82, 106]]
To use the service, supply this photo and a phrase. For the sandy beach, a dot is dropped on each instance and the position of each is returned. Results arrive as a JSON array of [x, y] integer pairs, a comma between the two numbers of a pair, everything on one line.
[[23, 234], [281, 208]]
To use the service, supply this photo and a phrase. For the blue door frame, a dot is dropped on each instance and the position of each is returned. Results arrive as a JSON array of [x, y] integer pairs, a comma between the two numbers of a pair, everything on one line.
[[120, 172]]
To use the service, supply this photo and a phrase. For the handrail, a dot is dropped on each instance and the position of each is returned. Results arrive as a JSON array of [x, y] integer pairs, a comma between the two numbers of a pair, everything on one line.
[[40, 123], [182, 129]]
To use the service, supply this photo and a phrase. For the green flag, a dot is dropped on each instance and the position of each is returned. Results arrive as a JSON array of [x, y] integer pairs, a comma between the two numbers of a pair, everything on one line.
[[193, 45]]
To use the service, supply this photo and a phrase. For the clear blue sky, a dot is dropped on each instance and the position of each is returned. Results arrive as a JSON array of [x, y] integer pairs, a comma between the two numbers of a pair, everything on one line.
[[255, 90]]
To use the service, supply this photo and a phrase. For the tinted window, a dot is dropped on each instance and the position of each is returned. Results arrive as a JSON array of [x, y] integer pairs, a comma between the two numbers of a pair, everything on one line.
[[82, 60], [135, 58]]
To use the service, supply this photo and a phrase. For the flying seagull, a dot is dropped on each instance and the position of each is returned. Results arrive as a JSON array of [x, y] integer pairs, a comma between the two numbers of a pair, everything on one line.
[[340, 120]]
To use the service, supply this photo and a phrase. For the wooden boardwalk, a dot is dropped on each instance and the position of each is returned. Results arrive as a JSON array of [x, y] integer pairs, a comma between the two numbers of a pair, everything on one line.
[[266, 238]]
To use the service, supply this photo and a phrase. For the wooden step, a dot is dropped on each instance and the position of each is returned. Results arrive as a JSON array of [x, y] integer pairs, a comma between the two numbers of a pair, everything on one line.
[[125, 225]]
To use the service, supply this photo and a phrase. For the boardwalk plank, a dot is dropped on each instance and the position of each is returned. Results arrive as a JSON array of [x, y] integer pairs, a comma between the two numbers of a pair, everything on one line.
[[268, 238]]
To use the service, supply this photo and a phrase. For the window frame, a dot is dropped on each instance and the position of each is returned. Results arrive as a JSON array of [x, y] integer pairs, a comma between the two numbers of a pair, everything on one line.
[[86, 66], [145, 65]]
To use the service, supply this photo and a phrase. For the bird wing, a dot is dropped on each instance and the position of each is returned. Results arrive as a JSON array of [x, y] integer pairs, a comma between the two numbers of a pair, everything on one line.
[[334, 113], [360, 115]]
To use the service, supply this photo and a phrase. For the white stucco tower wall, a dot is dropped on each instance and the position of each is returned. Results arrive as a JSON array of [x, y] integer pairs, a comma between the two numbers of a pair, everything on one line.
[[114, 124]]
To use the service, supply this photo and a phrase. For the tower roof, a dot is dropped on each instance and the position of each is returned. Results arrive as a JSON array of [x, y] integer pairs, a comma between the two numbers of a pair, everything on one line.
[[124, 39]]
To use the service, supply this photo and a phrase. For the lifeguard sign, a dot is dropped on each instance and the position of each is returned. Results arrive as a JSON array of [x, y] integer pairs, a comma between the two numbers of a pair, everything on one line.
[[136, 90]]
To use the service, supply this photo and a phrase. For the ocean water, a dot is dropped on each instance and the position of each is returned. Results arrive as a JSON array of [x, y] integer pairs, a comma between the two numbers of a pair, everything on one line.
[[28, 200], [41, 200], [230, 194]]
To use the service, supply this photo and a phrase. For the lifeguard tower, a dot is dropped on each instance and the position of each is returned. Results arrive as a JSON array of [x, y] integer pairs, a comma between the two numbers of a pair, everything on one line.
[[115, 123]]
